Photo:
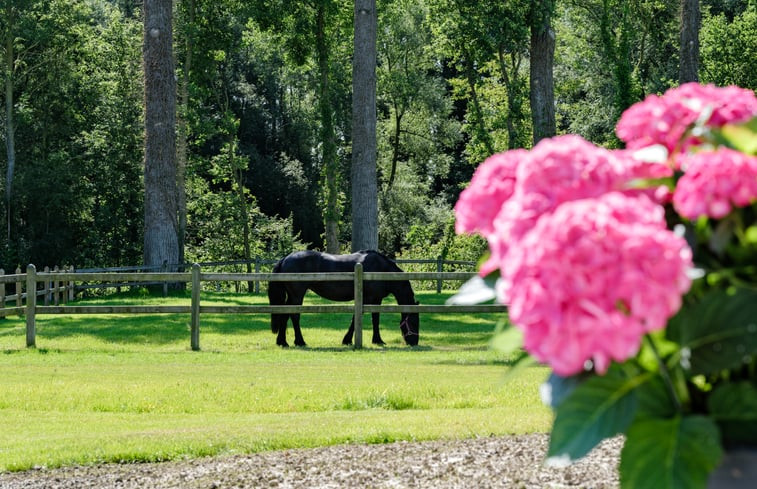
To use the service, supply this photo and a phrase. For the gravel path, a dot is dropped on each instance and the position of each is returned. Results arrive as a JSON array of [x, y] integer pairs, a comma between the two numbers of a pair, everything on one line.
[[498, 462]]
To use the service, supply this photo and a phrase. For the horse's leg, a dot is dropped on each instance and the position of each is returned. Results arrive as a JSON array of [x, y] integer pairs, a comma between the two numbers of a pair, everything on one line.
[[376, 334], [298, 340], [347, 340], [281, 338], [375, 320]]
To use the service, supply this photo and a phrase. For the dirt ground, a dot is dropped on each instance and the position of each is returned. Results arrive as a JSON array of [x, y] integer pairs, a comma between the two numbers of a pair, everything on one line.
[[495, 462]]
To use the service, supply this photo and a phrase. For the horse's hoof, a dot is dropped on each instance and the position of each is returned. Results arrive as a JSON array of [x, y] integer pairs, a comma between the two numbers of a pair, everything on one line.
[[300, 343], [346, 343], [283, 345], [379, 342]]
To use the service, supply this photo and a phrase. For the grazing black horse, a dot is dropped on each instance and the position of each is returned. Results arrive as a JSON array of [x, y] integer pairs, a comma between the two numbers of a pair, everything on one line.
[[374, 291]]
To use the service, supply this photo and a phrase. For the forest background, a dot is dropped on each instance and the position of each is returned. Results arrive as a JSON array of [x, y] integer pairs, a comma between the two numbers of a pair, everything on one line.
[[264, 109]]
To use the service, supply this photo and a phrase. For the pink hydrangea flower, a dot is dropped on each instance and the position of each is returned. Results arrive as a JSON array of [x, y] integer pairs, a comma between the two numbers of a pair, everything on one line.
[[556, 170], [592, 277], [715, 181], [665, 119], [646, 164], [492, 184]]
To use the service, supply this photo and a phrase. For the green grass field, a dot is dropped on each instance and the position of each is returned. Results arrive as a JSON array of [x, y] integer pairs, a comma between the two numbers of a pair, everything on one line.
[[128, 388]]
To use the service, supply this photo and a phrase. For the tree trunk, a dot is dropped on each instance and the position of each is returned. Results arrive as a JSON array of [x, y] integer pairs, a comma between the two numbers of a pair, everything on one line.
[[541, 79], [161, 226], [10, 149], [471, 77], [398, 113], [363, 174], [689, 50], [182, 152], [244, 215], [328, 144], [617, 48], [514, 102]]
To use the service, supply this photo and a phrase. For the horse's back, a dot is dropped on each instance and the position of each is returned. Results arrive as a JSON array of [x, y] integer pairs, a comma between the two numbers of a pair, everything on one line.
[[315, 262]]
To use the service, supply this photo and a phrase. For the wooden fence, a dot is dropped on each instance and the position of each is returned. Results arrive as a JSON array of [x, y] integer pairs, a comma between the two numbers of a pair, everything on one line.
[[58, 287], [258, 264]]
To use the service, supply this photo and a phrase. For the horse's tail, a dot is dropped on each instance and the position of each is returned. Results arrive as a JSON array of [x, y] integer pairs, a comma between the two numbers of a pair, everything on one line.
[[277, 296]]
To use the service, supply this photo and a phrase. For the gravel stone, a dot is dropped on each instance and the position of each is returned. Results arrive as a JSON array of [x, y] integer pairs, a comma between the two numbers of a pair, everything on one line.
[[512, 462]]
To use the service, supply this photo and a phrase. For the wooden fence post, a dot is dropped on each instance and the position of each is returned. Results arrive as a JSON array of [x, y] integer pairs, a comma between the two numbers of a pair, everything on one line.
[[257, 270], [71, 291], [56, 288], [2, 291], [64, 287], [45, 289], [31, 305], [358, 287], [195, 322], [164, 269], [19, 297], [439, 268]]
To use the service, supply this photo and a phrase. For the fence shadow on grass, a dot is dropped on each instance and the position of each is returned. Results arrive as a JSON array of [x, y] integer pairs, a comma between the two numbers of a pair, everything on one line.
[[158, 329], [438, 330]]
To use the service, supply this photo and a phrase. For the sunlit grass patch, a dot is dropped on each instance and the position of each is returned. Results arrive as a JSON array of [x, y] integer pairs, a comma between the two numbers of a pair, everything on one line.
[[128, 388]]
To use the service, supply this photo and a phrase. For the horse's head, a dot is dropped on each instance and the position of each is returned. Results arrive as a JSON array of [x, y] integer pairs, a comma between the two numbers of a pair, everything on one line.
[[410, 327]]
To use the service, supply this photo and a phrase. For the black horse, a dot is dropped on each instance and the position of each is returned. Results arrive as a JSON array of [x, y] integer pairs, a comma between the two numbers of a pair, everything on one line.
[[374, 291]]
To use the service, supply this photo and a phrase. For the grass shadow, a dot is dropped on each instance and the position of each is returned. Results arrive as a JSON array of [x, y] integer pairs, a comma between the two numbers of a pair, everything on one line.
[[437, 330]]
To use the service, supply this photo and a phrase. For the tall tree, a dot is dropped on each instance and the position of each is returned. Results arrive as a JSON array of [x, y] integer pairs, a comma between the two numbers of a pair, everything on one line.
[[689, 49], [161, 211], [182, 129], [612, 53], [328, 138], [363, 174], [487, 43], [541, 79], [22, 38]]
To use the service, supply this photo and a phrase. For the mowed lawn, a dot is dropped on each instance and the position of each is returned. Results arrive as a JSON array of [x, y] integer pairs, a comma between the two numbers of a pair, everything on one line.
[[123, 388]]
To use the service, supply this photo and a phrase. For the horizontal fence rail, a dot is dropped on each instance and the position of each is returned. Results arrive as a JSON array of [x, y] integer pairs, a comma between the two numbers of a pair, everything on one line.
[[255, 264], [59, 285]]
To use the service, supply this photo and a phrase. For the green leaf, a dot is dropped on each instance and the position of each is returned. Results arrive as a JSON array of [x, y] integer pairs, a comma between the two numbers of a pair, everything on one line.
[[720, 332], [677, 453], [475, 291], [654, 400], [742, 137], [508, 340], [734, 408], [521, 362], [599, 408], [556, 388]]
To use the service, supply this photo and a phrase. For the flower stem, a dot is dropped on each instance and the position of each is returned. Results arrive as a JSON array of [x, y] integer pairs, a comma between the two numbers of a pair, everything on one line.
[[664, 373]]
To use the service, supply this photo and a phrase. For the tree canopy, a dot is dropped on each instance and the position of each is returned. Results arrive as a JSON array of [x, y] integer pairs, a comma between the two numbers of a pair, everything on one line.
[[264, 121]]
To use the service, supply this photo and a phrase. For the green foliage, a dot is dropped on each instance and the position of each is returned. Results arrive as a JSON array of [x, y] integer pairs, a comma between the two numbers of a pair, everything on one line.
[[609, 55], [718, 332], [728, 48], [598, 408], [734, 408], [78, 110], [452, 89], [214, 217], [672, 453]]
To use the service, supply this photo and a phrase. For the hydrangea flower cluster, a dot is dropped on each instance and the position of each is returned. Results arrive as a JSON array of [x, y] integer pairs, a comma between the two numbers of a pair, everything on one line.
[[593, 277], [715, 181], [532, 183], [587, 263], [666, 119]]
